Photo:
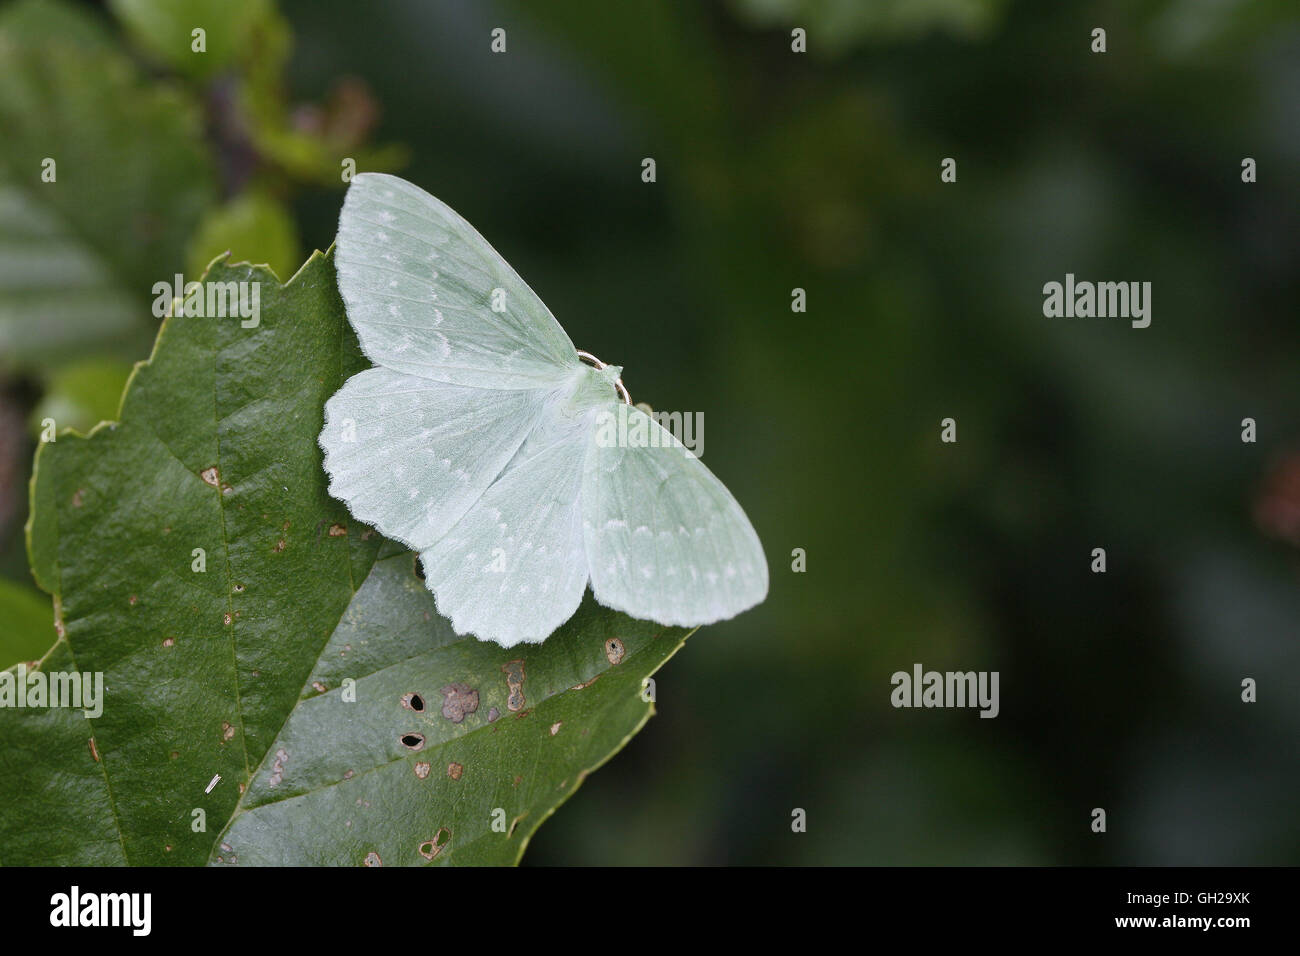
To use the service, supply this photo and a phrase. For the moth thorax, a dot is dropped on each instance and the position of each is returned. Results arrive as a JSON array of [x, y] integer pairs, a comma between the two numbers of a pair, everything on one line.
[[611, 374]]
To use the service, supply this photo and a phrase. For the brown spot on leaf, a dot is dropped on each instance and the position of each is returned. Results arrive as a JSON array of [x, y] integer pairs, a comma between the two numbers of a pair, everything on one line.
[[514, 671], [169, 642], [555, 727], [338, 531], [457, 701], [454, 770], [493, 714], [318, 687], [615, 650], [279, 546], [277, 768], [76, 497], [227, 618], [93, 751], [131, 600], [211, 476], [227, 731], [422, 769], [585, 684], [372, 859]]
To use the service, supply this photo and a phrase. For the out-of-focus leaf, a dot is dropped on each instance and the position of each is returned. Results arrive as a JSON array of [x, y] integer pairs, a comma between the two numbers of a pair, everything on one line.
[[37, 21], [312, 142], [165, 29], [288, 665], [309, 142], [253, 228], [79, 254], [58, 296], [27, 630], [81, 395]]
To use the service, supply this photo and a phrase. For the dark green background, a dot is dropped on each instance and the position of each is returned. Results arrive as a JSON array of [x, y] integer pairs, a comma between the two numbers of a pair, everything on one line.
[[821, 171]]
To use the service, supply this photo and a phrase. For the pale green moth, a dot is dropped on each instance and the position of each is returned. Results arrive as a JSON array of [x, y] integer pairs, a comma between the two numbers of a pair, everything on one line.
[[483, 441]]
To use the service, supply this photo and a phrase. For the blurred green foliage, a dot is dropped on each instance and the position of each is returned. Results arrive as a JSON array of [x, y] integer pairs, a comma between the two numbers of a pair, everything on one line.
[[104, 177], [253, 220], [79, 395], [28, 629], [777, 170], [226, 31]]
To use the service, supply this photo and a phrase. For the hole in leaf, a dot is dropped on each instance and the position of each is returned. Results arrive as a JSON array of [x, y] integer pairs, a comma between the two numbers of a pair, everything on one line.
[[417, 569], [431, 848], [413, 741], [413, 702]]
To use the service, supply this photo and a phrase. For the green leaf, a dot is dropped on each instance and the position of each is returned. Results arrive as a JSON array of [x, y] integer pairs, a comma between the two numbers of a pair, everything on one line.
[[79, 254], [57, 296], [81, 395], [39, 21], [253, 228], [165, 29], [243, 670], [28, 630]]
